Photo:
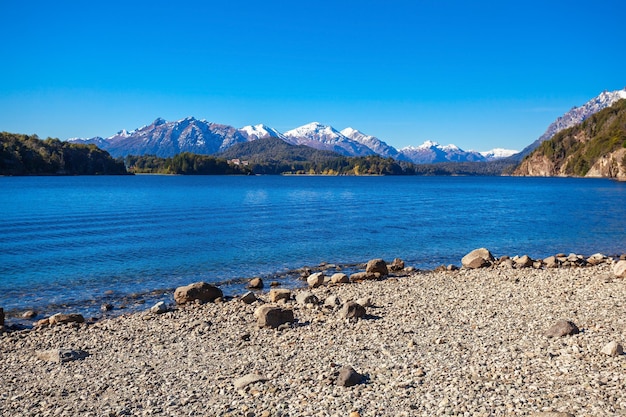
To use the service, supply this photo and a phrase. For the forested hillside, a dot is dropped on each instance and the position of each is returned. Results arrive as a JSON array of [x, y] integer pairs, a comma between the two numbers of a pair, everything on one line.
[[594, 148], [29, 155]]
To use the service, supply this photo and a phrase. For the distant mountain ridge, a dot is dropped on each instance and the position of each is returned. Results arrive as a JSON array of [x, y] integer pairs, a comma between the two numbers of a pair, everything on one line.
[[166, 139]]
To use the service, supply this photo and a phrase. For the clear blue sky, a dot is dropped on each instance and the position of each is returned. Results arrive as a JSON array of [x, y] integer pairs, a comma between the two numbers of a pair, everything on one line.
[[479, 74]]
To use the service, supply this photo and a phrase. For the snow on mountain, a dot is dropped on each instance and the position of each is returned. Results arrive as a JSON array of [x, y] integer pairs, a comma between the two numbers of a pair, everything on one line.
[[372, 142], [498, 153], [166, 139], [319, 136], [431, 152], [575, 116], [260, 131]]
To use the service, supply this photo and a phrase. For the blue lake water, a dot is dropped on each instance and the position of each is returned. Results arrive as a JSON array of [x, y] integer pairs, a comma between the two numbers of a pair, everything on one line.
[[70, 243]]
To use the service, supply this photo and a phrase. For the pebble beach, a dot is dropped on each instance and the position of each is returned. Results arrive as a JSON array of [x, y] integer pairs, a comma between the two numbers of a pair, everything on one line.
[[466, 342]]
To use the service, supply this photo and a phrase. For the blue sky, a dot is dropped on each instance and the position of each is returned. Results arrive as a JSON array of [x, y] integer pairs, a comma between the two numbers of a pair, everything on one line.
[[479, 74]]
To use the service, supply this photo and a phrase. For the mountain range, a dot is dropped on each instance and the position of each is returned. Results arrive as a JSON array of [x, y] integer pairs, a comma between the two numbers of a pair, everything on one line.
[[166, 139]]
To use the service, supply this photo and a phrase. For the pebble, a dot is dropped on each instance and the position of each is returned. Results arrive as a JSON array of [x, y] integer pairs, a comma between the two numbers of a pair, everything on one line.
[[462, 343]]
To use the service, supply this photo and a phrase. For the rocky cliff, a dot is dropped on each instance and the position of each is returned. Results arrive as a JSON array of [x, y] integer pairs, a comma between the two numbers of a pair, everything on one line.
[[593, 148]]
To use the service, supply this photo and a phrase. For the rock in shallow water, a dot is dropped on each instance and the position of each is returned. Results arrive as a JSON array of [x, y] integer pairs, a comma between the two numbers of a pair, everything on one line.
[[377, 266]]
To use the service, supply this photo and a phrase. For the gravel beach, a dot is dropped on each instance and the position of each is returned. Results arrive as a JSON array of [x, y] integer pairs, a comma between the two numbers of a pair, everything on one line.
[[468, 342]]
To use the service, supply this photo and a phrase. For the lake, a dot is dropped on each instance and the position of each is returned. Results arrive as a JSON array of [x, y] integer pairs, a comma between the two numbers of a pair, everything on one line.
[[72, 243]]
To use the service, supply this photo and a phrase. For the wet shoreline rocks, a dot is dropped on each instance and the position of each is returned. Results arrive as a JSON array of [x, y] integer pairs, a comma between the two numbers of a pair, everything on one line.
[[465, 342]]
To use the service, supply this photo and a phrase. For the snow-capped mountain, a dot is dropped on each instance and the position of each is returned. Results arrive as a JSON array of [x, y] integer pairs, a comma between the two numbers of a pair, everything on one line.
[[319, 136], [372, 142], [166, 139], [432, 152], [498, 153], [575, 116], [260, 131]]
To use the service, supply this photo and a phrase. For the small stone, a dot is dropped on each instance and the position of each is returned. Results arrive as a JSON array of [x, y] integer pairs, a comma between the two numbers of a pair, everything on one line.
[[274, 284], [61, 318], [562, 328], [332, 301], [524, 262], [397, 265], [365, 302], [279, 294], [619, 269], [354, 414], [377, 266], [106, 307], [551, 262], [315, 280], [248, 297], [159, 308], [29, 314], [61, 355], [248, 379], [348, 377], [551, 414], [255, 283], [363, 276], [339, 278], [352, 310], [613, 349]]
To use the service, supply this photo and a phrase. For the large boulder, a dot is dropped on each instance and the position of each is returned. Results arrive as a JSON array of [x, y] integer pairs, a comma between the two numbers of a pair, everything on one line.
[[197, 292], [478, 258], [397, 265], [315, 280], [619, 269], [377, 265], [273, 316], [523, 261]]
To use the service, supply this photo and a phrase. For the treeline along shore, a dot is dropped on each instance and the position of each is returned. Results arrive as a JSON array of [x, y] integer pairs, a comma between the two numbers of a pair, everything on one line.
[[508, 336]]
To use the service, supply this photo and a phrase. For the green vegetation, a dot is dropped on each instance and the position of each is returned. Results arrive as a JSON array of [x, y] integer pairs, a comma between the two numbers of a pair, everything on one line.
[[29, 155], [184, 164], [580, 147]]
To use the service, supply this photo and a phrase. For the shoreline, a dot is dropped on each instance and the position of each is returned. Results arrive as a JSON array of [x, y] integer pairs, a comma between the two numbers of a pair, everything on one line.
[[444, 342], [94, 309]]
